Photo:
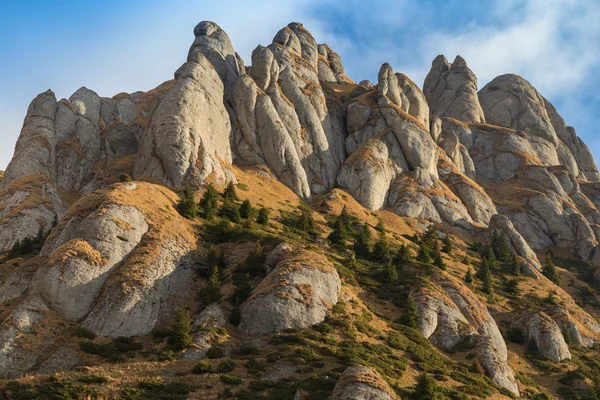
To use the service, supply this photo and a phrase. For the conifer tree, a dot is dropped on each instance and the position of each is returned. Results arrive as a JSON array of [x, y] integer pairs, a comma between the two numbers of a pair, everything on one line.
[[381, 250], [306, 222], [500, 247], [182, 330], [411, 317], [263, 216], [229, 193], [403, 255], [424, 254], [392, 272], [516, 265], [549, 269], [231, 211], [380, 226], [346, 220], [187, 205], [209, 202], [341, 228], [487, 282], [447, 246], [426, 389], [362, 242], [438, 261], [469, 276], [246, 210]]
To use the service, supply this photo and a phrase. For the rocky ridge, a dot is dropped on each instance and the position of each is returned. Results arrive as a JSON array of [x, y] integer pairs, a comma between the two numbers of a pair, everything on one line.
[[118, 259]]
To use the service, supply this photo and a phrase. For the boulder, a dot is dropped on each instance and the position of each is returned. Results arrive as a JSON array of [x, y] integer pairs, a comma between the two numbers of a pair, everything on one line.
[[296, 294], [361, 383], [544, 332]]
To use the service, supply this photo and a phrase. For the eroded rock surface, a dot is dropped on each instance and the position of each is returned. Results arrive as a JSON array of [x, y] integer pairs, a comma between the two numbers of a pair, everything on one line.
[[361, 383]]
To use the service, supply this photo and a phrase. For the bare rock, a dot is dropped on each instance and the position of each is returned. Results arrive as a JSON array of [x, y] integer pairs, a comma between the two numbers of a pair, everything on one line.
[[188, 135], [296, 294], [546, 334], [451, 90], [361, 383], [211, 317]]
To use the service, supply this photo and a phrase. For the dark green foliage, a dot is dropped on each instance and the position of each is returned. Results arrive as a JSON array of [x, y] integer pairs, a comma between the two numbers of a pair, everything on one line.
[[113, 351], [429, 248], [567, 335], [202, 367], [392, 272], [380, 226], [125, 177], [403, 255], [447, 246], [85, 333], [231, 379], [215, 351], [187, 206], [487, 282], [209, 202], [306, 222], [469, 276], [438, 261], [397, 340], [226, 366], [424, 253], [231, 211], [411, 316], [152, 389], [426, 389], [263, 216], [549, 269], [515, 265], [381, 249], [500, 247], [512, 287], [255, 365], [182, 330], [246, 210], [342, 228], [229, 194], [362, 242], [29, 245]]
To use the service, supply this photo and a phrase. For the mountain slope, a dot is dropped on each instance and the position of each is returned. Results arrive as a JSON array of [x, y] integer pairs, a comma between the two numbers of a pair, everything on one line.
[[280, 231]]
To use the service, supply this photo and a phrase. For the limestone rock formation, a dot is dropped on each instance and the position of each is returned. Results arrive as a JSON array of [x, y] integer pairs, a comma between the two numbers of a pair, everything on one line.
[[451, 90], [361, 383], [546, 334], [296, 294], [188, 135], [453, 314]]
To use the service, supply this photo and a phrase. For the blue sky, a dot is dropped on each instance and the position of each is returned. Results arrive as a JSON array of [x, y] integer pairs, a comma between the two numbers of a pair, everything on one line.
[[112, 46]]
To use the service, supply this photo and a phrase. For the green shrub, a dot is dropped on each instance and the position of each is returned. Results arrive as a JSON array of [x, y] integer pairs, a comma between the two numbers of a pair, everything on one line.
[[187, 206], [91, 378], [231, 379], [202, 367], [226, 366], [85, 333], [229, 194], [182, 330], [125, 177], [263, 216], [215, 351]]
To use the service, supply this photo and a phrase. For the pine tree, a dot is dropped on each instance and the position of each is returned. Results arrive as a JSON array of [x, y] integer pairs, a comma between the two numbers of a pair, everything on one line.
[[230, 211], [411, 317], [213, 280], [182, 330], [392, 272], [484, 266], [346, 220], [306, 222], [187, 205], [263, 216], [516, 265], [447, 246], [426, 388], [512, 287], [549, 270], [209, 202], [403, 255], [424, 254], [500, 247], [246, 210], [491, 257], [229, 193], [381, 250], [362, 242], [438, 261], [487, 282], [469, 276], [380, 226]]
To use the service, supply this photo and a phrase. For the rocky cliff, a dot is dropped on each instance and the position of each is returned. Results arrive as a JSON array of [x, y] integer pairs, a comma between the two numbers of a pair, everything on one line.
[[114, 230]]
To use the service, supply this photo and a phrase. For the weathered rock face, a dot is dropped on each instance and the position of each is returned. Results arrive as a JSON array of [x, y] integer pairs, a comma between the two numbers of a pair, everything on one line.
[[284, 116], [65, 139], [453, 314], [28, 206], [188, 136], [512, 102], [501, 224], [330, 67], [581, 332], [212, 42], [296, 294], [546, 334], [120, 228], [361, 383], [451, 90]]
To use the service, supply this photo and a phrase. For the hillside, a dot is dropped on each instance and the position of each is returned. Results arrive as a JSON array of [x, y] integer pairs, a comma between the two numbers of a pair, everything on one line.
[[279, 231]]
